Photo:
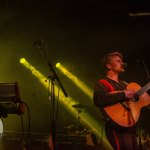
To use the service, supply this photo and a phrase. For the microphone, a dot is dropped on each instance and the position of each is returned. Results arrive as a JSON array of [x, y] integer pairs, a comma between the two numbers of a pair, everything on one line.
[[124, 65]]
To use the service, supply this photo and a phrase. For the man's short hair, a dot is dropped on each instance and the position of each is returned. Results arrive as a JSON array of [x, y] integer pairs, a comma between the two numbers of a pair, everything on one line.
[[107, 58]]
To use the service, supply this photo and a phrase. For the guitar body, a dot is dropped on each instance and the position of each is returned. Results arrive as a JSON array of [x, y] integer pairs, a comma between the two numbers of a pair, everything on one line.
[[124, 117]]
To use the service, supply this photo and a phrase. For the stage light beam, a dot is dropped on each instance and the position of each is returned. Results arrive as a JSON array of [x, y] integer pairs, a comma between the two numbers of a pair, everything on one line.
[[68, 102], [76, 80]]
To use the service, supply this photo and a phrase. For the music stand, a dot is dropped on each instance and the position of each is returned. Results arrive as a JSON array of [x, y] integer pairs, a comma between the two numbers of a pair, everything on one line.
[[10, 100]]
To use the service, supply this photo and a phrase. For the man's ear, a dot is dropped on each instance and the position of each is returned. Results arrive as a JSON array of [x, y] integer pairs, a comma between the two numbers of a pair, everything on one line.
[[108, 66]]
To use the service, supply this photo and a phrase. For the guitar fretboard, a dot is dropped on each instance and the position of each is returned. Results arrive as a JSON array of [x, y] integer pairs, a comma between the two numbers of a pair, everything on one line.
[[143, 89]]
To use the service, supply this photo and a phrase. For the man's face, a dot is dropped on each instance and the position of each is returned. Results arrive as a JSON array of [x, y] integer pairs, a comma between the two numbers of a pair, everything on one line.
[[116, 64]]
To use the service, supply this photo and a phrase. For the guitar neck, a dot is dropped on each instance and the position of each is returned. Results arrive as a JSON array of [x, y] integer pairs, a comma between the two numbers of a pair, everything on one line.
[[143, 89]]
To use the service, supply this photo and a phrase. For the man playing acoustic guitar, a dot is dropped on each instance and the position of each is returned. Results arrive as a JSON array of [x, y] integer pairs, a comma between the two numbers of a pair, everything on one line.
[[109, 95]]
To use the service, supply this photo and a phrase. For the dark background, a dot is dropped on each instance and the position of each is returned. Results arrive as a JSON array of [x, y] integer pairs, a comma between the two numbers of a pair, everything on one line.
[[77, 33]]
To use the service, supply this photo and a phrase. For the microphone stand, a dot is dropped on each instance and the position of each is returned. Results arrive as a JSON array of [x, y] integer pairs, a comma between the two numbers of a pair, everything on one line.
[[146, 69], [52, 78]]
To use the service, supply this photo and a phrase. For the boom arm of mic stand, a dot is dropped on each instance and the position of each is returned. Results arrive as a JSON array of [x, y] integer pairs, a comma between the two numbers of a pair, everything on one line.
[[53, 70], [57, 78]]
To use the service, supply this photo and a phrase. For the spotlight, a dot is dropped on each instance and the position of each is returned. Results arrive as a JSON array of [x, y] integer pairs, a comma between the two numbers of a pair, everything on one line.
[[58, 65], [22, 60]]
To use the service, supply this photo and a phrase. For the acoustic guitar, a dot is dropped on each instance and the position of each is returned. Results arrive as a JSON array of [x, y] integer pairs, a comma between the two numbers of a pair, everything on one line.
[[126, 114]]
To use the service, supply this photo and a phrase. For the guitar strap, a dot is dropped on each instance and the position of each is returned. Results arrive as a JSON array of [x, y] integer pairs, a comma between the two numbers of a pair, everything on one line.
[[110, 88], [107, 85]]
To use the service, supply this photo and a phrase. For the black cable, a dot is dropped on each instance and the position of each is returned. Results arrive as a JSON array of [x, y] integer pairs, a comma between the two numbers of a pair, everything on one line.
[[57, 106], [23, 133], [51, 93], [53, 114], [29, 126], [50, 99], [49, 85]]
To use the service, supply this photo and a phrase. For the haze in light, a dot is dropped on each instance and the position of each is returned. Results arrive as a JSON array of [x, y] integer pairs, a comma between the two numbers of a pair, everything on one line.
[[76, 80], [85, 117]]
